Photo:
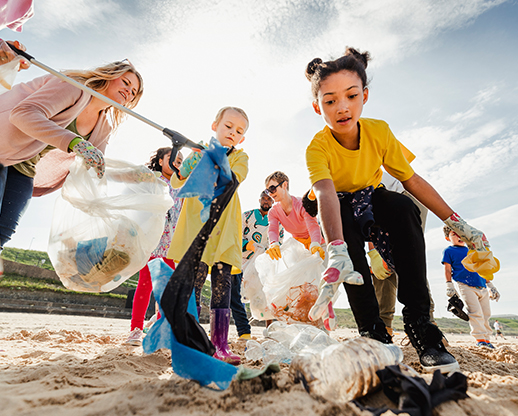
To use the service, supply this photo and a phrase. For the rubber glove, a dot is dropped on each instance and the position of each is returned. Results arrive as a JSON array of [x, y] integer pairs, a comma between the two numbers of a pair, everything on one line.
[[93, 157], [482, 262], [317, 248], [191, 162], [274, 251], [474, 239], [340, 270], [378, 265], [450, 290], [250, 246], [493, 292]]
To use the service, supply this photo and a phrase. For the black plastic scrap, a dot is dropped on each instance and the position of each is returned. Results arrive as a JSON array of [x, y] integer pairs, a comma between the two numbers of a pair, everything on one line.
[[414, 396]]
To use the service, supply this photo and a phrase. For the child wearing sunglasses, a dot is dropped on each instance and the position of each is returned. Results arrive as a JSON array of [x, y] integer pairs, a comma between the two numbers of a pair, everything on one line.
[[223, 251]]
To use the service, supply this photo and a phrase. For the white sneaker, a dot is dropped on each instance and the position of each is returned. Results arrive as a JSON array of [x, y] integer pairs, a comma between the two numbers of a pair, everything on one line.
[[149, 324], [135, 338]]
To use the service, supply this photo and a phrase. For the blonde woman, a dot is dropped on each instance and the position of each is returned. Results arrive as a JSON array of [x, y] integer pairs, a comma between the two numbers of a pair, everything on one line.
[[49, 115]]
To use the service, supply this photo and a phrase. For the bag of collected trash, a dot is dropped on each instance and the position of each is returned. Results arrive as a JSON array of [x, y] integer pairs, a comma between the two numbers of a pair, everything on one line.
[[290, 284], [344, 371], [284, 341], [104, 230], [252, 291], [9, 66]]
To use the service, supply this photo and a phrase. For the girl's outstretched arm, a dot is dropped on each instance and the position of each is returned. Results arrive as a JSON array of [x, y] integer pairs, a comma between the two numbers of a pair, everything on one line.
[[428, 196], [329, 209]]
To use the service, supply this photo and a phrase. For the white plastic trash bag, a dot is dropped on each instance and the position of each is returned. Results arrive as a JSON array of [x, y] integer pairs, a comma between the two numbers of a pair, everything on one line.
[[290, 284], [104, 230], [252, 291]]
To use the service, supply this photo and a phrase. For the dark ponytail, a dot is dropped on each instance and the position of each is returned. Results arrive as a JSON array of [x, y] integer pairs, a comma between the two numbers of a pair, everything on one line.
[[154, 162]]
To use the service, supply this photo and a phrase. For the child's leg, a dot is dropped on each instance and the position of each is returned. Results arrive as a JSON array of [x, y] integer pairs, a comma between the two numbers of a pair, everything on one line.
[[362, 298], [400, 217], [220, 312], [141, 299], [220, 280], [471, 298], [199, 281], [486, 311]]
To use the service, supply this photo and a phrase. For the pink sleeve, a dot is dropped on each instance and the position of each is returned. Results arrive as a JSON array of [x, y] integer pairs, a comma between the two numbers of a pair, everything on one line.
[[33, 114], [273, 226], [313, 228]]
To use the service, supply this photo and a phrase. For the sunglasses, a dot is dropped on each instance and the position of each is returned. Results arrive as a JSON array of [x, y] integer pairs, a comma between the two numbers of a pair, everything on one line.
[[271, 189]]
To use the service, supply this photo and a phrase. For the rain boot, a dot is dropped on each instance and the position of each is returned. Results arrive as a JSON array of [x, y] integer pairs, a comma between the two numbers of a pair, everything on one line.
[[219, 324]]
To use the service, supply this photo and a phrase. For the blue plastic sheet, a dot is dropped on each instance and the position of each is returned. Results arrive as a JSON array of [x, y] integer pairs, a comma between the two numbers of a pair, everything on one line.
[[208, 180], [186, 362], [89, 253]]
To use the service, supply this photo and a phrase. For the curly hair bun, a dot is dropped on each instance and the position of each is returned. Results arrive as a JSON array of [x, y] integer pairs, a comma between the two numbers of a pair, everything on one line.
[[364, 57], [312, 67]]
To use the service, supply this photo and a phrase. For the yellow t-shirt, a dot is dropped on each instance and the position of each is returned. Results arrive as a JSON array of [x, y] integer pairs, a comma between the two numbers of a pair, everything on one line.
[[225, 240], [353, 170]]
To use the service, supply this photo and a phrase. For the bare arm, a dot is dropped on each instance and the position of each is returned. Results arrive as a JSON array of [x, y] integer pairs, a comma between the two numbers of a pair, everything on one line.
[[447, 271], [428, 196], [329, 209]]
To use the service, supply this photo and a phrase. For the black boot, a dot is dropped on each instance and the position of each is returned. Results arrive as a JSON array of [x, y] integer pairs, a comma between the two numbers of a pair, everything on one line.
[[377, 332], [427, 340]]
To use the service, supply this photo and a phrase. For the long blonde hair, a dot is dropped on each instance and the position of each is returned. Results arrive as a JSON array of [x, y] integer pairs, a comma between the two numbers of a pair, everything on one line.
[[98, 79]]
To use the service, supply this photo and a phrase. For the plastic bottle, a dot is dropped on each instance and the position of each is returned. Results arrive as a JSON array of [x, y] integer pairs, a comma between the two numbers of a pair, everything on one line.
[[345, 371]]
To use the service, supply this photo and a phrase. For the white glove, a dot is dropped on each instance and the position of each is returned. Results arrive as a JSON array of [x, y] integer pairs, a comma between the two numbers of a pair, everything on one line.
[[450, 290], [493, 293], [340, 270], [474, 239]]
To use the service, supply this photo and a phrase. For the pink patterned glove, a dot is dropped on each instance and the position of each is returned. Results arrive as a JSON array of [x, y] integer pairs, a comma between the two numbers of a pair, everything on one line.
[[93, 157], [474, 239], [340, 270]]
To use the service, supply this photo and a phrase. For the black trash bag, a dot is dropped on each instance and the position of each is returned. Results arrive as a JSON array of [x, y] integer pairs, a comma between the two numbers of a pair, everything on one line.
[[414, 396], [179, 289]]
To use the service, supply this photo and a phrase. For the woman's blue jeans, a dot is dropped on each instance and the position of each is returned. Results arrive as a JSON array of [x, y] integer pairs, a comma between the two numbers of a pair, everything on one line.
[[15, 194]]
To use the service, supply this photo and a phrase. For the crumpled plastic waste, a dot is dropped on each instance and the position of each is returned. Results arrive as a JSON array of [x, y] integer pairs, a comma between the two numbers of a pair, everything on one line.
[[482, 262], [285, 341], [186, 362]]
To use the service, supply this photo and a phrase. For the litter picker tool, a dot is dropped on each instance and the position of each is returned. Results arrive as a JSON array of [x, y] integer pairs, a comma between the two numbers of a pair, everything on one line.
[[178, 140]]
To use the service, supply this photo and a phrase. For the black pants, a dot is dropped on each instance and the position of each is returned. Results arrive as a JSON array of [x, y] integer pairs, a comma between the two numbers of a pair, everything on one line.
[[399, 216], [220, 282], [237, 307]]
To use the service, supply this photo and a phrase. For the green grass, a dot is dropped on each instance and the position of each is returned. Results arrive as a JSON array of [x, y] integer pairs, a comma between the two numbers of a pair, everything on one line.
[[30, 257], [15, 282], [453, 325]]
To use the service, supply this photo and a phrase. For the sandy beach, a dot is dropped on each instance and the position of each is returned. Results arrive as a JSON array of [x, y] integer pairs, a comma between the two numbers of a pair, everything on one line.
[[69, 365]]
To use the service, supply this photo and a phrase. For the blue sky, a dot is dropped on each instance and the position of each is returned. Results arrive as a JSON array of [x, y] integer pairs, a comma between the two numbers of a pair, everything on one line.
[[443, 75]]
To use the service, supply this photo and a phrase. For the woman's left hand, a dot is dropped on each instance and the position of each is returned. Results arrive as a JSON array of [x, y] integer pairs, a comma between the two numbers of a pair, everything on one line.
[[7, 54]]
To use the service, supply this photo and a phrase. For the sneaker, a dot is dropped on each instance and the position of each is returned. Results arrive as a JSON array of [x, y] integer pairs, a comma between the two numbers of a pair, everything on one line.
[[485, 344], [426, 338], [135, 338], [489, 345], [378, 332], [149, 324]]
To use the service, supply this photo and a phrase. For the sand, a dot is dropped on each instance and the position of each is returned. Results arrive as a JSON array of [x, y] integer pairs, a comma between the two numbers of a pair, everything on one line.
[[69, 365]]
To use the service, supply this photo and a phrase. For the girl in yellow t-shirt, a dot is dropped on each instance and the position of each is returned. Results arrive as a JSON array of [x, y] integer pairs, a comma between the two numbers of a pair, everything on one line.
[[223, 249], [344, 161]]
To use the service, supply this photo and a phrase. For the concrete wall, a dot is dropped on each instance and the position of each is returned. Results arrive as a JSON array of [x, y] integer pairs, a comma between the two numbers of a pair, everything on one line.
[[11, 267]]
